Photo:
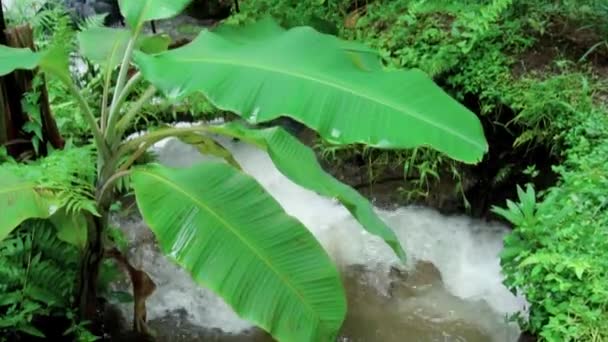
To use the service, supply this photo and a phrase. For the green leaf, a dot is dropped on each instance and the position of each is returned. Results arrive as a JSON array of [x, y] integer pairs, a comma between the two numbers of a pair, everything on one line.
[[30, 330], [20, 200], [17, 58], [56, 62], [207, 146], [361, 56], [298, 162], [314, 79], [153, 44], [105, 45], [71, 227], [234, 238], [136, 12], [512, 215], [265, 28]]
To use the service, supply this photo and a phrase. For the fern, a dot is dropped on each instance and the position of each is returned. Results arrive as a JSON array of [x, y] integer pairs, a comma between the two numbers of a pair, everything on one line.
[[93, 21], [74, 188], [38, 276], [476, 24]]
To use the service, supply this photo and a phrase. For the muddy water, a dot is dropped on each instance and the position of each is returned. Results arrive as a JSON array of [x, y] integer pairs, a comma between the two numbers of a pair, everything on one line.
[[450, 290]]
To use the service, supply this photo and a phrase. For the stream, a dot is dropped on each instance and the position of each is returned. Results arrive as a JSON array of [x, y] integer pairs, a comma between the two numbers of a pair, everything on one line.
[[449, 290]]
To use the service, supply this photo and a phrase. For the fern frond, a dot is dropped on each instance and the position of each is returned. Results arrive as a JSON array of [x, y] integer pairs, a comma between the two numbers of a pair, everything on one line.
[[93, 21], [38, 273], [69, 174]]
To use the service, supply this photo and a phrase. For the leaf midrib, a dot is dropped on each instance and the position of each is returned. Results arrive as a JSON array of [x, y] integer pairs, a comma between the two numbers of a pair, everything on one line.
[[335, 85], [235, 232], [24, 186]]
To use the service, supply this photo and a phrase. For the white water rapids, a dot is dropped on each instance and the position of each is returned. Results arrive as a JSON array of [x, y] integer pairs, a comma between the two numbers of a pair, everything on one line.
[[450, 290]]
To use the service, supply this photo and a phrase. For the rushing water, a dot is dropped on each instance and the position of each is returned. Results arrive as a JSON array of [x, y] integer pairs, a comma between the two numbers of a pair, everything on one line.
[[450, 290]]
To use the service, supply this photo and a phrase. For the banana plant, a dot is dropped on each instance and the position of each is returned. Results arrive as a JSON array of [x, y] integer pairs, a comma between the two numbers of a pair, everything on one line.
[[214, 220]]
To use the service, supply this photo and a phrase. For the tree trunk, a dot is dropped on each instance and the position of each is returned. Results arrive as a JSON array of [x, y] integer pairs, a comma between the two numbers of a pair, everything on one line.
[[89, 272], [12, 89]]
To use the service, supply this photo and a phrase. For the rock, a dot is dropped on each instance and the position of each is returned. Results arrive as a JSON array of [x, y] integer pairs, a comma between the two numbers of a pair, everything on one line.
[[211, 9], [81, 9]]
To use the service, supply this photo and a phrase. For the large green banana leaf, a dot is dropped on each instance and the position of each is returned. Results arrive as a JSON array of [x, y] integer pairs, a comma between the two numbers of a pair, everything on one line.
[[20, 199], [54, 60], [299, 163], [17, 58], [221, 226], [136, 12], [105, 45], [312, 78], [361, 55]]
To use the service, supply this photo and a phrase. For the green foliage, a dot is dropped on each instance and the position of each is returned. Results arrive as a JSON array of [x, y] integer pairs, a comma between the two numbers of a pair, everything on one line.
[[463, 43], [313, 63], [557, 254], [63, 180], [498, 54], [31, 260], [546, 107], [68, 174], [22, 200], [240, 69], [475, 48], [137, 13], [299, 163], [247, 249]]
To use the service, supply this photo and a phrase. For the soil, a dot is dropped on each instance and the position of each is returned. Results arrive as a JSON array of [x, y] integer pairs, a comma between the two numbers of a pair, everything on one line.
[[564, 39]]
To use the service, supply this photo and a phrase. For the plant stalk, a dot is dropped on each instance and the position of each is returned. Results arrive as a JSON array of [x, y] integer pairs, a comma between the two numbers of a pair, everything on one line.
[[88, 114], [107, 186], [120, 82], [104, 99], [123, 123], [114, 111]]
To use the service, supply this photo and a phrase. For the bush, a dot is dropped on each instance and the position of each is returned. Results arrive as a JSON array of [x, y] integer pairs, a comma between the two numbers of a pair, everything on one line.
[[558, 253]]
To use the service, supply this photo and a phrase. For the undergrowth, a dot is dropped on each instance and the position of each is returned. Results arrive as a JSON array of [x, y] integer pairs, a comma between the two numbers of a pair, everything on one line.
[[529, 68], [54, 27], [557, 254], [31, 260]]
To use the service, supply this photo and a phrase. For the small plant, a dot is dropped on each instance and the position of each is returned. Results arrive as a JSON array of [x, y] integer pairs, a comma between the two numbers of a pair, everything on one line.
[[213, 219], [557, 253], [31, 259]]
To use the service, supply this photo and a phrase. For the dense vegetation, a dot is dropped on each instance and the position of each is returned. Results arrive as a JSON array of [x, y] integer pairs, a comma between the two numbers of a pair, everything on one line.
[[212, 218], [534, 71]]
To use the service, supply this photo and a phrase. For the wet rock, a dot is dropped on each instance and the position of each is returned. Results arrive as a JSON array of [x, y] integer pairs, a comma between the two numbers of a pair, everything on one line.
[[81, 9], [290, 125], [406, 283], [116, 329], [211, 9]]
